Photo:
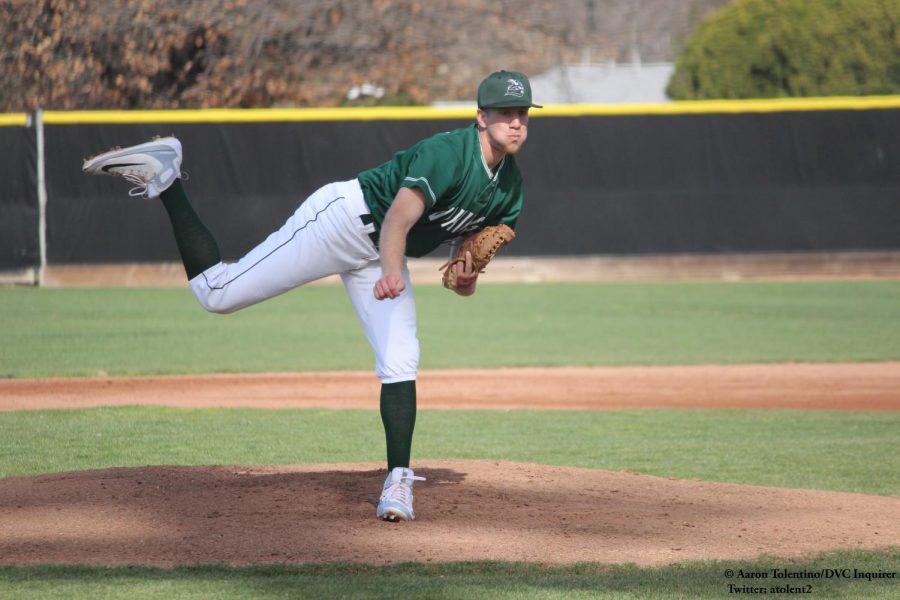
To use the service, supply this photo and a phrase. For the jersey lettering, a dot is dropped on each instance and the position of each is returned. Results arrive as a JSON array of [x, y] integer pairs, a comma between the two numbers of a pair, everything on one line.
[[457, 220]]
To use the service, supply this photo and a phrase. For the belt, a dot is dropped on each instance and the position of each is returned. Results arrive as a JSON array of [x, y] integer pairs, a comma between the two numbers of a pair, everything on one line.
[[368, 219]]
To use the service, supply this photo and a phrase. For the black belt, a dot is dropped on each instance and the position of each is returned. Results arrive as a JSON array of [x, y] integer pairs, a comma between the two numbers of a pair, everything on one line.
[[368, 219]]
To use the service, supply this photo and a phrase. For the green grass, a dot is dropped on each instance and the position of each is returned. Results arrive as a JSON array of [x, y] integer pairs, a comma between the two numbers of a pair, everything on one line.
[[82, 332], [809, 449], [464, 581]]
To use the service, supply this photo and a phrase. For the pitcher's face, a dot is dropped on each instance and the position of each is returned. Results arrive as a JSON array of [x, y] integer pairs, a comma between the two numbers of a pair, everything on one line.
[[506, 128]]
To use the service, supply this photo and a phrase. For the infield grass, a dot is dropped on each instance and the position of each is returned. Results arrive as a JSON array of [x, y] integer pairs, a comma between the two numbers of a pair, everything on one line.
[[464, 581], [841, 451], [84, 332]]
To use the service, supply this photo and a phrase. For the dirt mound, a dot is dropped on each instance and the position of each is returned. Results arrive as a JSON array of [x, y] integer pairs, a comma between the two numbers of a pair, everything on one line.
[[467, 510]]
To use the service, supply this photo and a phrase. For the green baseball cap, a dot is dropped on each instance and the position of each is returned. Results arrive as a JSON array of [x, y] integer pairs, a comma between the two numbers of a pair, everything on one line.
[[505, 89]]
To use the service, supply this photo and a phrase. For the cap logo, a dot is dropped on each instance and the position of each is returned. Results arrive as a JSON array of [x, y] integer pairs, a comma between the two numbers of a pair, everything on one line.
[[515, 88]]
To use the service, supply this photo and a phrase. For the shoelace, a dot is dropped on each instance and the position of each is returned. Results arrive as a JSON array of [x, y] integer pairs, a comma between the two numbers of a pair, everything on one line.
[[401, 490], [141, 185], [140, 189]]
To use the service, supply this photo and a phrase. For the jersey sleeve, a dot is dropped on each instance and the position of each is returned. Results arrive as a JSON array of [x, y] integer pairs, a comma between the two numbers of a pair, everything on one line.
[[434, 169]]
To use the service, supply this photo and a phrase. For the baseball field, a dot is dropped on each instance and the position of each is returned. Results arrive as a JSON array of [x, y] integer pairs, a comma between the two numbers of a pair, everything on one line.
[[591, 440]]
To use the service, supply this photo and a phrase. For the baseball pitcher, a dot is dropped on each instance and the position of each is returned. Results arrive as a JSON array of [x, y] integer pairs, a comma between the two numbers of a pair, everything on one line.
[[459, 184]]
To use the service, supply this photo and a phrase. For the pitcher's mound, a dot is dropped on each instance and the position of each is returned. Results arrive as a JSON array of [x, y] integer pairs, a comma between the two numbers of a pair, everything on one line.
[[467, 510]]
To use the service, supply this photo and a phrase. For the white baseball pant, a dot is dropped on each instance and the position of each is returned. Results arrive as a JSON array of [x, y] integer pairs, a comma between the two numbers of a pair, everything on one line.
[[325, 236]]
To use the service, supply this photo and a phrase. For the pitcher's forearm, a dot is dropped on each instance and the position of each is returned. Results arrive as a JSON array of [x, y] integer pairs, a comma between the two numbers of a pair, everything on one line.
[[408, 206]]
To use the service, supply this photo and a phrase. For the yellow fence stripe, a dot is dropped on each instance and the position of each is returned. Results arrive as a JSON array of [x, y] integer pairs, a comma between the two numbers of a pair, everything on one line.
[[251, 115], [13, 119], [254, 115], [727, 106]]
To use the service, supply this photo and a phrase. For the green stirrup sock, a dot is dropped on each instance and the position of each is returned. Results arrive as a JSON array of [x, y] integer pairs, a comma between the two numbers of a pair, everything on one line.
[[398, 414], [199, 249]]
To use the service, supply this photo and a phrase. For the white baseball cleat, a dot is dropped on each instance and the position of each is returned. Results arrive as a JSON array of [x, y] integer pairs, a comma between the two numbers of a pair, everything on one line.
[[152, 167], [396, 503]]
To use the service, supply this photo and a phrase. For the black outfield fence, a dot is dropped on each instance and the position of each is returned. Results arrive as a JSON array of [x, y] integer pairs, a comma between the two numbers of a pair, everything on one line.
[[20, 244], [682, 178]]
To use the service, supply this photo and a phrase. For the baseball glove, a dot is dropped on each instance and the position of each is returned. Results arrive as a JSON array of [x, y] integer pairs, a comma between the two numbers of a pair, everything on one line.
[[483, 245]]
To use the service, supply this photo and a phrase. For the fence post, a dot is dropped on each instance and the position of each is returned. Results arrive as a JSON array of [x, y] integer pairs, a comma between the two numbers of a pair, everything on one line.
[[41, 196]]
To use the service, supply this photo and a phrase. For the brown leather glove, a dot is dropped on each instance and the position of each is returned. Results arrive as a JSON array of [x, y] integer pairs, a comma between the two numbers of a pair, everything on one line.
[[483, 245]]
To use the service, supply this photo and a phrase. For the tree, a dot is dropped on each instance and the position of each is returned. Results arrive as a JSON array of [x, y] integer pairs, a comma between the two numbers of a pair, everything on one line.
[[782, 48]]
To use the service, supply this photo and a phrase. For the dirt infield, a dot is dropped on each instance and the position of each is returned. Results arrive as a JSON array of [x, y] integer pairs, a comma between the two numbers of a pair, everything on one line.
[[468, 510], [868, 386]]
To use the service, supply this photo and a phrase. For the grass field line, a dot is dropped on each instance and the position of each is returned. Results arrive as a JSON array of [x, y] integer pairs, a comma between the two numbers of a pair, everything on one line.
[[482, 579], [80, 332]]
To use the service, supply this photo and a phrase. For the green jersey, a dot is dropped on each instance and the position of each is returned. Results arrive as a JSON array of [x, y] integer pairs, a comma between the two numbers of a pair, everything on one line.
[[461, 193]]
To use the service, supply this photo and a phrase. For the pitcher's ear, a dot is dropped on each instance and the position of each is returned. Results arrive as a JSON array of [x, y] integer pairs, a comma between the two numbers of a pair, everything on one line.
[[481, 117]]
